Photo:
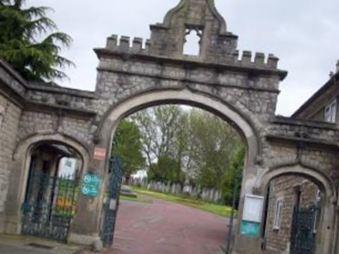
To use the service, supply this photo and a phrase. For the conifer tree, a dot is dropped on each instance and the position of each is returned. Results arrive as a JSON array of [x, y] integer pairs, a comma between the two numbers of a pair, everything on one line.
[[30, 42]]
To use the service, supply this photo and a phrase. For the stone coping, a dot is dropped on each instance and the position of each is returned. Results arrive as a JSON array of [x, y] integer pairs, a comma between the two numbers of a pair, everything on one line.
[[12, 81], [46, 87], [62, 90], [12, 72], [306, 123], [311, 141]]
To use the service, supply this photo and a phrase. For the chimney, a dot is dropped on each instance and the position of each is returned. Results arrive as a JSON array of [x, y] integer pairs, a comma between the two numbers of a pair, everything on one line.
[[337, 67]]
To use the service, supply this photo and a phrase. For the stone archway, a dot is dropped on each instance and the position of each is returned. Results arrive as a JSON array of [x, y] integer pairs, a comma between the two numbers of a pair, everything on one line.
[[20, 169], [133, 76], [242, 88], [309, 172], [237, 119], [151, 98], [324, 241]]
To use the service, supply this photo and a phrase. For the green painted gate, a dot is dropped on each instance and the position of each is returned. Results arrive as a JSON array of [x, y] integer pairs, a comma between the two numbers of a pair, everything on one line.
[[49, 205], [111, 204], [303, 236]]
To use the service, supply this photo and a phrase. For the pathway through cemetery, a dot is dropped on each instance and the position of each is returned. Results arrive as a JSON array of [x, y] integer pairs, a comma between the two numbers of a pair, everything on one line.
[[161, 227]]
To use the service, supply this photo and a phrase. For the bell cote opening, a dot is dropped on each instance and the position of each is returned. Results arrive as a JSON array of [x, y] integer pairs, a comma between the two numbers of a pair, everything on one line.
[[192, 42]]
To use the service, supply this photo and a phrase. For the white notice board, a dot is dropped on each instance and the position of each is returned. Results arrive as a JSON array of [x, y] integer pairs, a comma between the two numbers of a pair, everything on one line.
[[253, 208]]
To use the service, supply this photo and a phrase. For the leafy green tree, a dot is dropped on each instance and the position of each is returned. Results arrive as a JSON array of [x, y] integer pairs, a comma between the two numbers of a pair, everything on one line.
[[190, 144], [166, 169], [233, 179], [128, 146], [213, 145], [159, 127], [21, 30]]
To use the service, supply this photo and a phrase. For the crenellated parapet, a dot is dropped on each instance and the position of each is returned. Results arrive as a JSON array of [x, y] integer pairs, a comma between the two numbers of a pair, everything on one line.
[[127, 45], [258, 59], [216, 44], [246, 59]]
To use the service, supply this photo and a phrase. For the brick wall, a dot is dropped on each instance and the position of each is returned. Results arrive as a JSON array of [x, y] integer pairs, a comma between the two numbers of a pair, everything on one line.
[[285, 189]]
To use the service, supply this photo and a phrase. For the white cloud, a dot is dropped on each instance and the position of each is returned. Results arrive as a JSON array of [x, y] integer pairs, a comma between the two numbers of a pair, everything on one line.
[[303, 33]]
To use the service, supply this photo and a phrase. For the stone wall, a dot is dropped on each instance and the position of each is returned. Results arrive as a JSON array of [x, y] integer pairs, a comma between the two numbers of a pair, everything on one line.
[[36, 112], [119, 79], [304, 130], [312, 156], [241, 88], [277, 240], [9, 121], [43, 123]]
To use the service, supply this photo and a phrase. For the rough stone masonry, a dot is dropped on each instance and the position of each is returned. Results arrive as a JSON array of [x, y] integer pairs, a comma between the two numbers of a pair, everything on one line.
[[242, 88]]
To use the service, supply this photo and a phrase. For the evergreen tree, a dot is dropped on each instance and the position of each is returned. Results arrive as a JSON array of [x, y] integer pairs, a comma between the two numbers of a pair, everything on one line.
[[21, 30]]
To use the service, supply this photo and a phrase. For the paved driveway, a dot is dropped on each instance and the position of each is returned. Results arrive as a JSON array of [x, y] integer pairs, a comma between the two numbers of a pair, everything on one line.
[[166, 228]]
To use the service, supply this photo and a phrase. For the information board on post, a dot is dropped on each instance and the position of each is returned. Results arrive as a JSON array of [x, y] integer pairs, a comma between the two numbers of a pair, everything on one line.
[[252, 215]]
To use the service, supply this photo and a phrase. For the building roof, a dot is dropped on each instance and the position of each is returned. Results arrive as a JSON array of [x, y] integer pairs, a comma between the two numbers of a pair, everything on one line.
[[331, 82]]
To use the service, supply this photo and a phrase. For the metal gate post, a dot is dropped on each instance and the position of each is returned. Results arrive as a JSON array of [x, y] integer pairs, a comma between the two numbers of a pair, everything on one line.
[[112, 201]]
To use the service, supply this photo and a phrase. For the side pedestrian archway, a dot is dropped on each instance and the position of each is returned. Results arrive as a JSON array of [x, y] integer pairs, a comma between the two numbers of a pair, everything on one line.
[[310, 226]]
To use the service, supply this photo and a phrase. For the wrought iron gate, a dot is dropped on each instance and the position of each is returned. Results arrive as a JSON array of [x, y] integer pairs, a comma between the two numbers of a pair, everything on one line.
[[303, 237], [111, 203], [49, 206]]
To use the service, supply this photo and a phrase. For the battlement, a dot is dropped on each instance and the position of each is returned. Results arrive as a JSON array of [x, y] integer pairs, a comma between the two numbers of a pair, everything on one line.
[[125, 44], [258, 59], [216, 45]]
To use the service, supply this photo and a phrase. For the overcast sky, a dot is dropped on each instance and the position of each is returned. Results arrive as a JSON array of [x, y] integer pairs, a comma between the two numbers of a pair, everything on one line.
[[304, 34]]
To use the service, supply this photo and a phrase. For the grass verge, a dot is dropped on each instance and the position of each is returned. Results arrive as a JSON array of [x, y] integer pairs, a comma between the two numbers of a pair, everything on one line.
[[128, 198], [139, 198], [216, 209]]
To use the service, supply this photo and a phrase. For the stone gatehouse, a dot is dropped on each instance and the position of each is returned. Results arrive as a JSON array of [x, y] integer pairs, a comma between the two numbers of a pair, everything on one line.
[[241, 88]]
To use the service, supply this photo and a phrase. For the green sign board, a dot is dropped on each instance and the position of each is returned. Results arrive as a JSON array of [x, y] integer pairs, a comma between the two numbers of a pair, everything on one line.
[[250, 229], [91, 185]]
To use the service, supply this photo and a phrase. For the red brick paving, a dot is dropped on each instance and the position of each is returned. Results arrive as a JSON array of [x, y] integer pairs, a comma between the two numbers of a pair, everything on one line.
[[166, 228]]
